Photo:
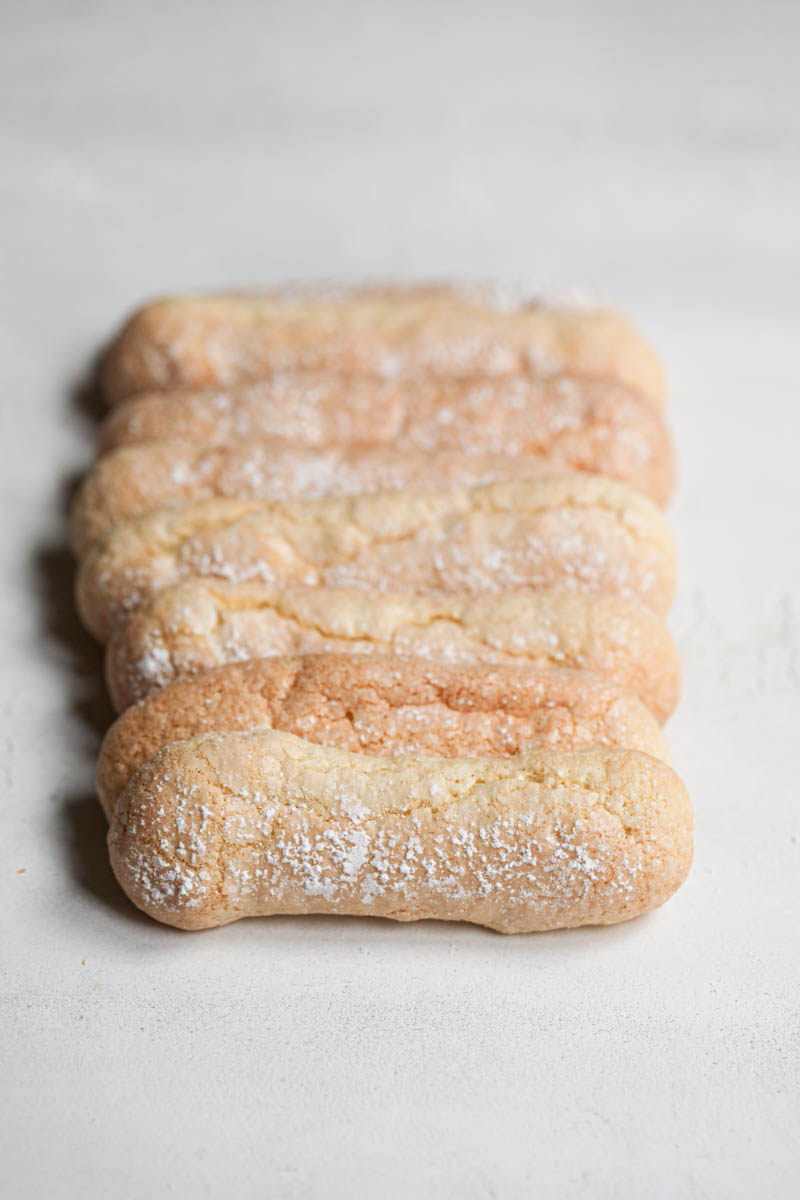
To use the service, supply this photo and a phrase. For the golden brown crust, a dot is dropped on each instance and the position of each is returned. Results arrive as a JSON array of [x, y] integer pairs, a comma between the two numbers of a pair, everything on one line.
[[593, 425], [201, 624], [231, 825], [383, 705], [225, 340], [135, 480], [568, 532]]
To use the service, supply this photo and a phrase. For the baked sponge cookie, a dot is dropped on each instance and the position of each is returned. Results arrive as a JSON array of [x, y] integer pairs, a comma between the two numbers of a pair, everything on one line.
[[230, 825], [570, 532], [385, 331], [200, 624], [576, 421]]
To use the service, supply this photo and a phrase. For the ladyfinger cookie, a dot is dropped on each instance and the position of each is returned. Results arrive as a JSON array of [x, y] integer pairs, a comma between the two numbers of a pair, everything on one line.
[[383, 705], [590, 424], [135, 480], [223, 340], [201, 624], [559, 532], [232, 825]]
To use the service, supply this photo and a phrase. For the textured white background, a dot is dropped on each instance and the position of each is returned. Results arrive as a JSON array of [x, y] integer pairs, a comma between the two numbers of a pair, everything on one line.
[[648, 151]]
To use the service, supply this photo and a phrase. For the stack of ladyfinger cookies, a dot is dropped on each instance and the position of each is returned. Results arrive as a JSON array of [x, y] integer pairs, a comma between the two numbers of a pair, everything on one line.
[[382, 577]]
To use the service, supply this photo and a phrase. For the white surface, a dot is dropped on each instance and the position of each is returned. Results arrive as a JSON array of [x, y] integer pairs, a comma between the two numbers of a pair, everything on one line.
[[647, 151]]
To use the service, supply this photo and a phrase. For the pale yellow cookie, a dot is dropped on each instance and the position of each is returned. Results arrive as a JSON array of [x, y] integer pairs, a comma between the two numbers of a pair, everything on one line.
[[224, 340], [383, 705], [232, 825], [569, 532], [200, 624]]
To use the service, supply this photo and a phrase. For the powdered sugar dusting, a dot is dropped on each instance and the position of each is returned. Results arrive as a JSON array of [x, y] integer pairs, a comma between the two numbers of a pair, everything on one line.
[[484, 844]]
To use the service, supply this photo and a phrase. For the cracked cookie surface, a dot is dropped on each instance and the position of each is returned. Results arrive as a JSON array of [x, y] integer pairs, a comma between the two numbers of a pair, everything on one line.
[[200, 624], [136, 480], [558, 532], [224, 826]]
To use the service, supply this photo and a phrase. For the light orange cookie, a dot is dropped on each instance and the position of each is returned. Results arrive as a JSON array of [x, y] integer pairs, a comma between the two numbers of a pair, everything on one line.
[[135, 480], [589, 424], [566, 532], [232, 825], [229, 339], [383, 705], [200, 624]]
